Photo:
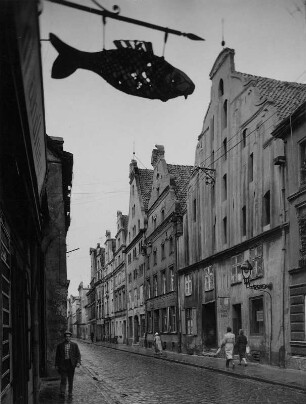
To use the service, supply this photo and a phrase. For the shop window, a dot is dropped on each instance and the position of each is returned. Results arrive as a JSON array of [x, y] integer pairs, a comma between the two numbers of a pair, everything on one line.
[[156, 320], [172, 319], [164, 320], [256, 316], [149, 322], [188, 285]]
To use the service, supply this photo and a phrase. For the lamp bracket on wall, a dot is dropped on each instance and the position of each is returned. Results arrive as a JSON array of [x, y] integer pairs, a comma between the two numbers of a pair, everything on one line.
[[209, 174]]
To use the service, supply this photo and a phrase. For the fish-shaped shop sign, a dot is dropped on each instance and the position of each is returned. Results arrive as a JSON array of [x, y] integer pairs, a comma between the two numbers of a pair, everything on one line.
[[132, 68]]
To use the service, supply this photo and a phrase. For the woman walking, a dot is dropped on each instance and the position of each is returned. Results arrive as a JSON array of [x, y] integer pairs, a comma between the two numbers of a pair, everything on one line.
[[241, 344], [228, 343], [158, 344]]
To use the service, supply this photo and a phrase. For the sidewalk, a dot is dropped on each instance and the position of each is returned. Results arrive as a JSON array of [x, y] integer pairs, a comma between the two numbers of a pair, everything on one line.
[[264, 373]]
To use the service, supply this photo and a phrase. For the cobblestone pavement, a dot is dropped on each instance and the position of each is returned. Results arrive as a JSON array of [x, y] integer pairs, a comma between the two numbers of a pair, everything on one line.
[[120, 377]]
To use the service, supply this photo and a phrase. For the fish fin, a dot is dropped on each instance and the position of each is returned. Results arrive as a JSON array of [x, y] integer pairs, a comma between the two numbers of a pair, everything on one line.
[[134, 44], [66, 62]]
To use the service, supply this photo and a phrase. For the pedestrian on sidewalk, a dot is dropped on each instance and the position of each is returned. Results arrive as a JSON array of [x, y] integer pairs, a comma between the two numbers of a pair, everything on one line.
[[67, 358], [92, 336], [228, 343], [241, 345], [158, 344]]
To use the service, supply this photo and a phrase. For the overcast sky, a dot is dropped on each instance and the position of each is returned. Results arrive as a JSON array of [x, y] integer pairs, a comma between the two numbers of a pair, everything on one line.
[[102, 126]]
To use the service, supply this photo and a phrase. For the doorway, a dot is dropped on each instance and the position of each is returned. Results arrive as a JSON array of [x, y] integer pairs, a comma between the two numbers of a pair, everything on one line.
[[237, 323], [136, 330], [209, 325]]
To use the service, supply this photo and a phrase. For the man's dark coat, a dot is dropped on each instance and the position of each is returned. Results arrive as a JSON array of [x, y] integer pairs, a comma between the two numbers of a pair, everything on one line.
[[75, 355]]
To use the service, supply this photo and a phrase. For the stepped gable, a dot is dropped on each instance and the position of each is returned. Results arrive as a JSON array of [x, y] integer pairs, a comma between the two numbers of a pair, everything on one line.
[[287, 96], [182, 175], [146, 181]]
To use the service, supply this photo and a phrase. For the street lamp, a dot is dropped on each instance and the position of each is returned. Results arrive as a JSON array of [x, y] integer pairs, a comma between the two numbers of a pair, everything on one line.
[[247, 268]]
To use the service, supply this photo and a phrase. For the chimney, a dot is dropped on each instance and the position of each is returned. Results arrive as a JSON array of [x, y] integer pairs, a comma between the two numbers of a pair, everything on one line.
[[157, 154]]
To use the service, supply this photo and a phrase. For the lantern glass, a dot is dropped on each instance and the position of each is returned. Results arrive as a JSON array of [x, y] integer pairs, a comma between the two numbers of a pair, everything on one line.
[[246, 270]]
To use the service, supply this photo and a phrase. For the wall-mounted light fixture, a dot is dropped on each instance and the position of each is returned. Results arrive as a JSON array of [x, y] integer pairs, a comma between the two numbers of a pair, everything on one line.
[[247, 268]]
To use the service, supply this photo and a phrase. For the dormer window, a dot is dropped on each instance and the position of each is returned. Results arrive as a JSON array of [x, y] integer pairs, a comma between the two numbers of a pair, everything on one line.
[[221, 88]]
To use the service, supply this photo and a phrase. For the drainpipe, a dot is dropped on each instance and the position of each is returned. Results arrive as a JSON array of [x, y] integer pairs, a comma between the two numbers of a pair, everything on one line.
[[178, 232]]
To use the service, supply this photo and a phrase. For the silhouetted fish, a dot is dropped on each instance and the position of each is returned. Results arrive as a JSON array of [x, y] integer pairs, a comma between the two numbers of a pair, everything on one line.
[[132, 68]]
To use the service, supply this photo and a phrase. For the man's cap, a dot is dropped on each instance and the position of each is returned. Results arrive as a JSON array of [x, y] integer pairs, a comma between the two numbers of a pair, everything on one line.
[[67, 332]]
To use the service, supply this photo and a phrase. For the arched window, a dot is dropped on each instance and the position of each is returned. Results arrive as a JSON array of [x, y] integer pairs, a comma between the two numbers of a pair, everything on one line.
[[221, 88], [224, 115]]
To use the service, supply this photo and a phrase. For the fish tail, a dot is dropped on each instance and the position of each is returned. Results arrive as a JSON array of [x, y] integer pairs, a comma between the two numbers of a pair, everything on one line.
[[66, 62]]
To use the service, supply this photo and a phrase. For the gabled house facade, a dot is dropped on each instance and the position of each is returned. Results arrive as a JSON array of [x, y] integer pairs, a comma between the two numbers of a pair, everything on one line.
[[119, 279], [236, 213], [140, 189], [292, 130], [108, 287], [165, 207]]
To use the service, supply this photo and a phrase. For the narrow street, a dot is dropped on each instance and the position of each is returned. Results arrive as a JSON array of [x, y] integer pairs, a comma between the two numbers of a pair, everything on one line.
[[114, 376]]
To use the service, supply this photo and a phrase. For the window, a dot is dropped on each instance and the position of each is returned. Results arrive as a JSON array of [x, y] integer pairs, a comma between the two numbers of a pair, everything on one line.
[[212, 159], [148, 289], [209, 279], [303, 162], [189, 321], [266, 208], [138, 224], [164, 282], [224, 151], [188, 285], [163, 215], [170, 245], [133, 189], [171, 279], [141, 295], [244, 136], [129, 258], [224, 188], [149, 321], [155, 285], [236, 274], [156, 320], [243, 213], [163, 256], [130, 278], [221, 88], [154, 222], [256, 316], [251, 167], [225, 230], [155, 256], [212, 127], [135, 274], [172, 319], [194, 210], [256, 260], [164, 320], [224, 115], [5, 283], [135, 297]]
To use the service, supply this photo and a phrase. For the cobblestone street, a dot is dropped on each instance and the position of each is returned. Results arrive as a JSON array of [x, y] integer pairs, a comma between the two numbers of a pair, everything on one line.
[[115, 376]]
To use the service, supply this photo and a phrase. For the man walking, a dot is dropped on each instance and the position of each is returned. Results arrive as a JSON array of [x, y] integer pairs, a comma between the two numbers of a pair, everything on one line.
[[66, 359]]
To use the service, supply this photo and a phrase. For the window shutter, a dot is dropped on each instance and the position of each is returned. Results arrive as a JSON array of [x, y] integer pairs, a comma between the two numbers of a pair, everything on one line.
[[194, 322], [183, 321]]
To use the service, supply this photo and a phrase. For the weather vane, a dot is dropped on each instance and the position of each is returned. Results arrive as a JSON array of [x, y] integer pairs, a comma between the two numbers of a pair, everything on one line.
[[132, 67]]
